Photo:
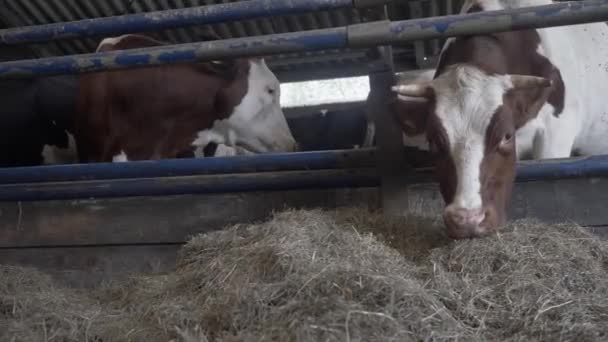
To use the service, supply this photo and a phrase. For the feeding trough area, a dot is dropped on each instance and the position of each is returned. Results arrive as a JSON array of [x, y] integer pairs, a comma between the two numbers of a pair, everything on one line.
[[343, 239]]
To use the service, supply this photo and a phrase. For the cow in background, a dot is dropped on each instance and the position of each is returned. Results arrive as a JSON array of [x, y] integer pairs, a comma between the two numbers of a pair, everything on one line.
[[497, 97], [178, 111], [35, 117]]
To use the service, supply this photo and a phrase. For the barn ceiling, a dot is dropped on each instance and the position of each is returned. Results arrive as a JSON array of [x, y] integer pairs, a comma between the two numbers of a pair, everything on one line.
[[15, 13]]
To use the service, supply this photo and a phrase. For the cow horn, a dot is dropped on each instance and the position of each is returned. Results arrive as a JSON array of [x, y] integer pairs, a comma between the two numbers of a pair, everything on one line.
[[412, 90], [524, 81]]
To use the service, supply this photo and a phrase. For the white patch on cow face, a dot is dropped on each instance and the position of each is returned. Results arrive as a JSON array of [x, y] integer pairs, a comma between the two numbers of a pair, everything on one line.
[[466, 99], [120, 158], [257, 123]]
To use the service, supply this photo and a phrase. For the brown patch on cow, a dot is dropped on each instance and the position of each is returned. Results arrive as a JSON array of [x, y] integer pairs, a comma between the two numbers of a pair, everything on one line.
[[439, 146], [412, 115], [155, 112], [445, 168], [497, 171]]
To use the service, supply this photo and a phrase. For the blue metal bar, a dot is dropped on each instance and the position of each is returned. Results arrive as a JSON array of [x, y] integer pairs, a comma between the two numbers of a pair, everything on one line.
[[356, 36], [270, 181], [544, 170], [554, 169], [557, 14], [174, 54], [190, 167], [161, 20]]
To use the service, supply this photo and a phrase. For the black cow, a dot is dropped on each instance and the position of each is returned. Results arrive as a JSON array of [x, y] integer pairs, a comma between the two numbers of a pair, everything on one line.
[[35, 113]]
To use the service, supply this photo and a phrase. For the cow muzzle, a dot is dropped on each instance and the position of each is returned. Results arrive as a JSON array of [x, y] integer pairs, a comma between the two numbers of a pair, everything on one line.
[[463, 223], [284, 145]]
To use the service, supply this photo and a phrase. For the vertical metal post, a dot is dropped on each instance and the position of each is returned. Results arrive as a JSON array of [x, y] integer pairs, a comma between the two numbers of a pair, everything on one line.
[[424, 58], [389, 139], [449, 6], [434, 44], [419, 45]]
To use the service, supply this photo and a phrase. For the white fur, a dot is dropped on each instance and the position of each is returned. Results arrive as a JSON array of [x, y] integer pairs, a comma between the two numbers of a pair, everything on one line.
[[227, 151], [111, 41], [257, 123], [52, 155], [120, 158]]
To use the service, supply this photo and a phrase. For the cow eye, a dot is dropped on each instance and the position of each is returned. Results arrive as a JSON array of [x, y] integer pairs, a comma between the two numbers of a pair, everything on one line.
[[506, 143], [271, 91]]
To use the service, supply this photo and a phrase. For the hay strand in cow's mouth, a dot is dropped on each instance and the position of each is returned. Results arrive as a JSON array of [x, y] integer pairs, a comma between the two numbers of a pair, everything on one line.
[[349, 275]]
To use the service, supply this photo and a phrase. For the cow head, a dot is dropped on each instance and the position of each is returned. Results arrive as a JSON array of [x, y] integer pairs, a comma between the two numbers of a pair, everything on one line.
[[255, 120], [470, 118]]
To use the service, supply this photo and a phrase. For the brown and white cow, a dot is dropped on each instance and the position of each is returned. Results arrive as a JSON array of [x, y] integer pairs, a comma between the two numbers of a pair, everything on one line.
[[176, 111], [497, 97]]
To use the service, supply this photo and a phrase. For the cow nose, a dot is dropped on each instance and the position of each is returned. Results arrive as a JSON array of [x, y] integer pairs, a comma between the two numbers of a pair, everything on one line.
[[462, 222]]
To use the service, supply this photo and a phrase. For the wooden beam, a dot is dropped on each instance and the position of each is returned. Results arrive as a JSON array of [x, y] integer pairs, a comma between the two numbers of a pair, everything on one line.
[[154, 220]]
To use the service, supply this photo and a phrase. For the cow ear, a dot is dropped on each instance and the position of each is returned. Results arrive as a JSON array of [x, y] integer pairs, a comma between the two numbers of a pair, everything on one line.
[[521, 82], [527, 96], [417, 89], [412, 114]]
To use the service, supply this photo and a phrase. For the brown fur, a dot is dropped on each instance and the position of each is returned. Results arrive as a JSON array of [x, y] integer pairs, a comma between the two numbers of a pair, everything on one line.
[[156, 112]]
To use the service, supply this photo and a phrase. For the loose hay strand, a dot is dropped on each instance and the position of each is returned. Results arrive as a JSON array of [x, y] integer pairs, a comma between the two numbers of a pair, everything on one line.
[[378, 314], [348, 275]]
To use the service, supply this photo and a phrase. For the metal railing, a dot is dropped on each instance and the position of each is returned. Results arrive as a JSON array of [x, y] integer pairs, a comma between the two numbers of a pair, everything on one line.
[[354, 36], [281, 171]]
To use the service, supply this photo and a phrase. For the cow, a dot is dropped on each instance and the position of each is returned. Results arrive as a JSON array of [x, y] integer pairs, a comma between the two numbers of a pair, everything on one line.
[[35, 120], [179, 110], [495, 98], [334, 129]]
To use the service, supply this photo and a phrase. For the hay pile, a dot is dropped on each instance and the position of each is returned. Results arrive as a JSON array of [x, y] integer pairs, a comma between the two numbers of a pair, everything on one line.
[[322, 276]]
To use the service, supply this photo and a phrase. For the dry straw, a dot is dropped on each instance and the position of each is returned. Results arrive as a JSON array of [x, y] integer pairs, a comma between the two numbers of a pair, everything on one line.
[[349, 275]]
